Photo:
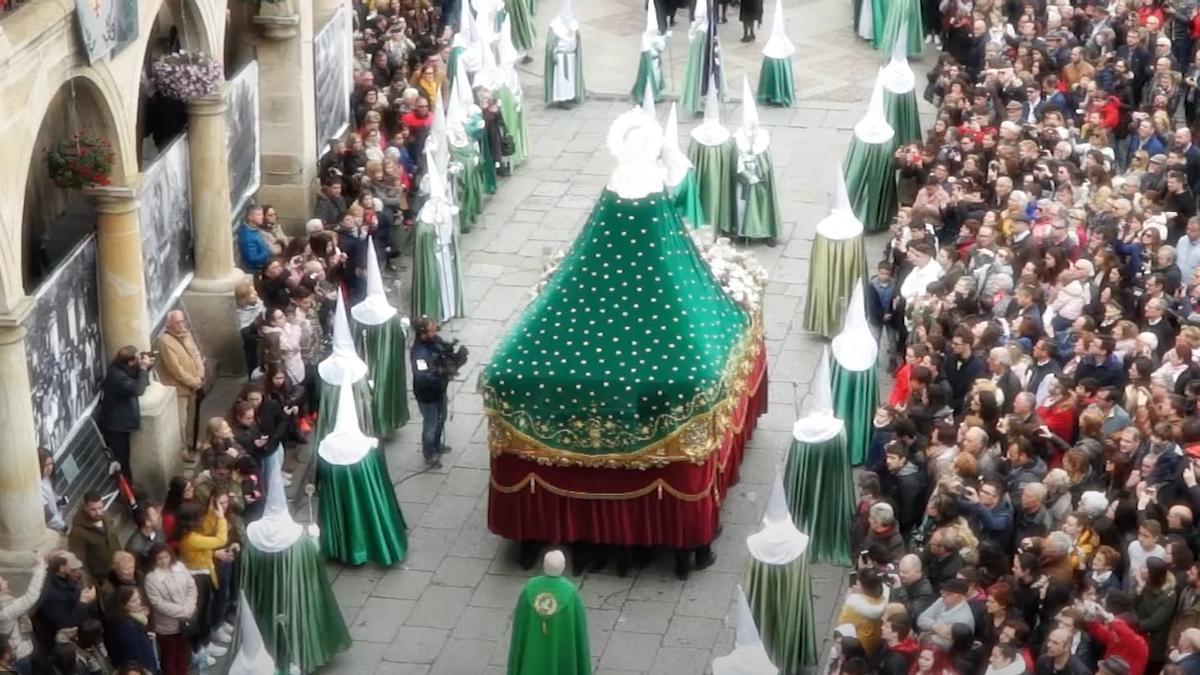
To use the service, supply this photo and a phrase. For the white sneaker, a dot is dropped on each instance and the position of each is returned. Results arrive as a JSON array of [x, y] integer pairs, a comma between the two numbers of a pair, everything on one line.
[[286, 474], [928, 39], [226, 627], [287, 482], [222, 636], [217, 650], [210, 661]]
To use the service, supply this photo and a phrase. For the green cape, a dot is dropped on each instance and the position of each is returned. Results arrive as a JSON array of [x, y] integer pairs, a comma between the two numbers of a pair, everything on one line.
[[549, 630]]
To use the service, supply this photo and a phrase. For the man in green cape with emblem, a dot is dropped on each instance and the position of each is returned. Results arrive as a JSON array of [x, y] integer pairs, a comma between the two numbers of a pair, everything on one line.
[[384, 334], [712, 152], [776, 85], [437, 279], [650, 69], [563, 76], [549, 628], [360, 519], [680, 178], [757, 205], [341, 366], [284, 579]]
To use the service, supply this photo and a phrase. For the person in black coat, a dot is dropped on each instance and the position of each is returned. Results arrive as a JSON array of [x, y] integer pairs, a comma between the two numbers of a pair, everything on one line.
[[64, 603], [119, 414], [125, 631], [962, 366], [904, 485], [429, 388], [899, 649]]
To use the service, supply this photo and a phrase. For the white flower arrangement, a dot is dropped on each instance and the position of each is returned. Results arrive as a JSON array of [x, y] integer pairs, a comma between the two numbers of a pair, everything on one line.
[[740, 274], [186, 76]]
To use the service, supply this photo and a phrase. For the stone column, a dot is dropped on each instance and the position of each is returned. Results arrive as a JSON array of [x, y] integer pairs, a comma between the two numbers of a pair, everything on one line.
[[289, 117], [22, 521], [209, 297], [124, 320]]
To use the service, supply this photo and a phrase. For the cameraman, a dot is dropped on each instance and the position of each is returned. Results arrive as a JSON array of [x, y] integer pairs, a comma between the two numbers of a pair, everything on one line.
[[120, 415], [430, 379]]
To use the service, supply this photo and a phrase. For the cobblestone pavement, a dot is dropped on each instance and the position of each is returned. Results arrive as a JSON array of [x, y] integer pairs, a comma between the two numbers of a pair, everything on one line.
[[446, 609]]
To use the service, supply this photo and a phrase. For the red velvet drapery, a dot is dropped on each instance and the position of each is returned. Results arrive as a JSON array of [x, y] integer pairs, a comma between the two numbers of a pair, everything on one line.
[[676, 506]]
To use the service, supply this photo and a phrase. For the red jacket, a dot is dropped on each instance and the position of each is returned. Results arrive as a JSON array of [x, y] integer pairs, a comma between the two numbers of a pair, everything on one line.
[[900, 386], [1060, 420], [1119, 639]]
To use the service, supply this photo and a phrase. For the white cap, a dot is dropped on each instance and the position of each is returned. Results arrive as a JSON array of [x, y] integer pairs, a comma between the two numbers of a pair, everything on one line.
[[276, 531], [841, 223], [675, 161], [818, 423], [749, 656], [346, 444], [873, 128], [778, 542], [344, 363], [855, 348], [778, 45], [648, 101], [554, 563], [375, 308], [898, 77], [252, 656], [710, 132]]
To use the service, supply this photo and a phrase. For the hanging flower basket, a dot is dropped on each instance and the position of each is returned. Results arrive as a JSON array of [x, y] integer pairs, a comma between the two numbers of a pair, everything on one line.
[[79, 162], [185, 76]]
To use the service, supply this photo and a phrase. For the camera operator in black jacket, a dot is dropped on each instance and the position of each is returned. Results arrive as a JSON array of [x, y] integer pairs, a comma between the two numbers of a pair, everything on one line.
[[434, 363]]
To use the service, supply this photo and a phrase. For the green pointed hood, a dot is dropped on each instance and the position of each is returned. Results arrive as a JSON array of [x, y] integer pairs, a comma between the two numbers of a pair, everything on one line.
[[632, 355]]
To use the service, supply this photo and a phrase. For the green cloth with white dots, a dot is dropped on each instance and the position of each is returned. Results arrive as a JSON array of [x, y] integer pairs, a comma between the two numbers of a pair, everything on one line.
[[631, 338]]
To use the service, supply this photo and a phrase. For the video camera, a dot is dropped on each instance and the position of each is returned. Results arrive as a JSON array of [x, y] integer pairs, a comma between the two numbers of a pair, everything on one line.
[[452, 356]]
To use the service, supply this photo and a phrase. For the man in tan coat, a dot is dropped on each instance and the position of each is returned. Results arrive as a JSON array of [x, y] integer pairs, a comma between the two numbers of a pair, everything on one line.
[[182, 367]]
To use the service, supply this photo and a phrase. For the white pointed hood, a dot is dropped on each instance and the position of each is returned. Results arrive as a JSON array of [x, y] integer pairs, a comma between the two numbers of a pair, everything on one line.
[[648, 102], [252, 656], [462, 91], [818, 423], [344, 362], [873, 128], [437, 209], [468, 38], [897, 76], [841, 223], [439, 130], [751, 137], [276, 531], [490, 74], [346, 444], [674, 160], [375, 308], [778, 542], [509, 56], [778, 45], [650, 35], [564, 23], [749, 656], [855, 348], [710, 132], [699, 26]]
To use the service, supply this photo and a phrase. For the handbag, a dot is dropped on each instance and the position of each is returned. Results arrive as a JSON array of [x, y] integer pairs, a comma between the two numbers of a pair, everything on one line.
[[507, 145]]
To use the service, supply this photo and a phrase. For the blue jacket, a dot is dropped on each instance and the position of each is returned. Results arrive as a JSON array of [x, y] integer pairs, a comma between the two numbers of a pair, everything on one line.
[[429, 386], [252, 248]]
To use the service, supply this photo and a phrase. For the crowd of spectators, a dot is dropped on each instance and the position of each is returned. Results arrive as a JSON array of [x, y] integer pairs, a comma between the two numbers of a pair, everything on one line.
[[1030, 503]]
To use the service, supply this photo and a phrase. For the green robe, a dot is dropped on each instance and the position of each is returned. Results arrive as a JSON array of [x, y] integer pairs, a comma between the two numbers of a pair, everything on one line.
[[514, 122], [293, 603], [549, 630], [523, 33], [686, 198], [360, 518], [327, 411], [437, 277], [387, 365], [715, 173], [757, 206], [649, 68], [563, 73], [470, 184]]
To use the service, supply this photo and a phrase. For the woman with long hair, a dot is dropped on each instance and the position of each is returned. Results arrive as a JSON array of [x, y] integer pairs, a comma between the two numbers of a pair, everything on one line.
[[218, 440], [197, 552], [125, 630], [179, 492], [1057, 412], [1155, 607], [931, 660], [172, 594]]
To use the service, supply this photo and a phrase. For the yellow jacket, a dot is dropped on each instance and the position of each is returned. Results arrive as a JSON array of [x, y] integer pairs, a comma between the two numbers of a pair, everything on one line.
[[196, 549]]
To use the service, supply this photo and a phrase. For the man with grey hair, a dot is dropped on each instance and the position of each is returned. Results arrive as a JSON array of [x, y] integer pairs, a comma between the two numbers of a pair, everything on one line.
[[1156, 323], [913, 590], [999, 364], [883, 533], [1033, 520]]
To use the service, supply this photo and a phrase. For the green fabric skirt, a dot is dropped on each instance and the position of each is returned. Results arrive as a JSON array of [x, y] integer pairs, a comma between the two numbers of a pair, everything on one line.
[[293, 603], [760, 219], [820, 496], [360, 518], [836, 266], [691, 95], [780, 598], [901, 112], [515, 124], [905, 13], [523, 33], [385, 356], [871, 182], [470, 186], [776, 86], [855, 396], [487, 165], [687, 200], [647, 69], [327, 414], [715, 175]]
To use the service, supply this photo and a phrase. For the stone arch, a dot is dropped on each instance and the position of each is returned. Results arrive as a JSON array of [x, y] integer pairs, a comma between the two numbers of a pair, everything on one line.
[[85, 101]]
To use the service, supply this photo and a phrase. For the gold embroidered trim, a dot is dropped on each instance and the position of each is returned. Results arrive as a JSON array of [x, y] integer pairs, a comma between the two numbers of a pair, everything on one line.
[[533, 482]]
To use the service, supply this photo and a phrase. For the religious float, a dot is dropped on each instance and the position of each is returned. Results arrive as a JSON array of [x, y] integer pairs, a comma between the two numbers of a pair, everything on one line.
[[620, 404]]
